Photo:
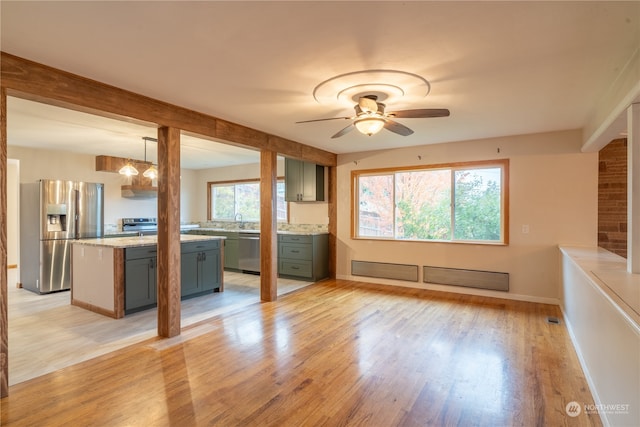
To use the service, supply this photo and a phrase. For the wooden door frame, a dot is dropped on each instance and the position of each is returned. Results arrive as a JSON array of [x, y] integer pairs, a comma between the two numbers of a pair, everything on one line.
[[26, 79]]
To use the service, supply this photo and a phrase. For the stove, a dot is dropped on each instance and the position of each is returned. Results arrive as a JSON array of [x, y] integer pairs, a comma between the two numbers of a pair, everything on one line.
[[143, 226]]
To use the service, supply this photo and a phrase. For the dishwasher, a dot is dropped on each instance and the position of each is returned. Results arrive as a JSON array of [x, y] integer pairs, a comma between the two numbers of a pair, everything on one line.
[[249, 252]]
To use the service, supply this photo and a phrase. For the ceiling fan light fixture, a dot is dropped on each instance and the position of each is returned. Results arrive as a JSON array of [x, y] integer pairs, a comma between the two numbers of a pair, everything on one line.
[[128, 170], [369, 125]]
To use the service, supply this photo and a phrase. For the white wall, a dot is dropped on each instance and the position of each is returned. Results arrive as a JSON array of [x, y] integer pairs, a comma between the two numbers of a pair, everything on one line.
[[299, 213], [552, 189], [49, 164], [13, 226], [38, 164]]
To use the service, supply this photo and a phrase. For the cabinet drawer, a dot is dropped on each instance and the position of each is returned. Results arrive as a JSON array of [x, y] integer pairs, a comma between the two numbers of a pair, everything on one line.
[[295, 251], [295, 238], [205, 245], [141, 252], [296, 268]]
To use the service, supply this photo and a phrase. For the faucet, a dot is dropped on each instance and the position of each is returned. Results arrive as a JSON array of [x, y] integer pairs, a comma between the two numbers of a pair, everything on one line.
[[239, 215]]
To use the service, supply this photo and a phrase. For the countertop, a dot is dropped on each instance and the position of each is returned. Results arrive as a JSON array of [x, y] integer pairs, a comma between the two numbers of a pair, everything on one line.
[[135, 233], [137, 241], [224, 230]]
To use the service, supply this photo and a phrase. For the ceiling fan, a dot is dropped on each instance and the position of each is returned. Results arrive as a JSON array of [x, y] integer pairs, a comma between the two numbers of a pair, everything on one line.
[[370, 117]]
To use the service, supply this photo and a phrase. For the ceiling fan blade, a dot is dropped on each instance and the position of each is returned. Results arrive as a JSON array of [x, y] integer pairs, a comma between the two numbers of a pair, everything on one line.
[[344, 131], [396, 127], [368, 105], [420, 113], [322, 120]]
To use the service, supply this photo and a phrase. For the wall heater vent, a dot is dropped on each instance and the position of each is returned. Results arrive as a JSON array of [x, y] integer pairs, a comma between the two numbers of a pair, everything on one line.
[[383, 270], [470, 278]]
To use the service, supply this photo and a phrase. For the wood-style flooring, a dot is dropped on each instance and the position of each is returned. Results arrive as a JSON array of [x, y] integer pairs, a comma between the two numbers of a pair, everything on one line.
[[333, 353], [47, 333]]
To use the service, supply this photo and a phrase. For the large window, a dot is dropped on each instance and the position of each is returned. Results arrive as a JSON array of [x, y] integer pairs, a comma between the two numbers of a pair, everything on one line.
[[465, 202], [233, 200]]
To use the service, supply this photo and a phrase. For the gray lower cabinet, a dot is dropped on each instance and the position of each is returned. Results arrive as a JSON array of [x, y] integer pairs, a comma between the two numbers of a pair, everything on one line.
[[200, 273], [231, 250], [303, 256], [140, 278], [230, 246]]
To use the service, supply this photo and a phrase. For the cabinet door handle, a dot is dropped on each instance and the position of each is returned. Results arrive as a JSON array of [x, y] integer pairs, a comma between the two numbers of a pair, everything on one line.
[[204, 256], [293, 267], [295, 252], [151, 263]]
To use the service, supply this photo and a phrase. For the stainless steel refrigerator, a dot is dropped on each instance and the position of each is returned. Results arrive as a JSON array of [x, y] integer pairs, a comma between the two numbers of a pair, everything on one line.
[[52, 214]]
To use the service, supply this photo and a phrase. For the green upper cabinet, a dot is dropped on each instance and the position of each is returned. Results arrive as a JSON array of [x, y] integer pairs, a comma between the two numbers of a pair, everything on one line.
[[304, 181]]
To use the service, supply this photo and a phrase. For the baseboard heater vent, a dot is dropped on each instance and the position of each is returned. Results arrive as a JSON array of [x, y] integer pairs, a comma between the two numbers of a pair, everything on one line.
[[470, 278], [383, 270]]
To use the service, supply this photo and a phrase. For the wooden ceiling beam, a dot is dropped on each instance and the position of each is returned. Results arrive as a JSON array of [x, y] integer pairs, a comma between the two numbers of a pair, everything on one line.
[[38, 82]]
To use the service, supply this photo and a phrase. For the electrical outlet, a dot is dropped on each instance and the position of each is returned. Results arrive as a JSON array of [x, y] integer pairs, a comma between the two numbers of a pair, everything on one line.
[[525, 229]]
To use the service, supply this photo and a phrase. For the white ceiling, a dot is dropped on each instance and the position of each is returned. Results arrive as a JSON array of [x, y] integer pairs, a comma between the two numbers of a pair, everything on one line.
[[37, 125], [502, 68]]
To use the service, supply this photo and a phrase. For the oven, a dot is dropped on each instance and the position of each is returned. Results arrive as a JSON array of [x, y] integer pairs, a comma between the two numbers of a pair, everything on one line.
[[142, 226]]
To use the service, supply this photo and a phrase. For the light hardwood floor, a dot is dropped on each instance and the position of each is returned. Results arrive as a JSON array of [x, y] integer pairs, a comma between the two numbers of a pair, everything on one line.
[[333, 353], [47, 333]]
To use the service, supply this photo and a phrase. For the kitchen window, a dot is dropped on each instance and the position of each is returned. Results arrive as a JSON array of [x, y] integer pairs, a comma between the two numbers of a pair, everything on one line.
[[240, 200], [461, 202]]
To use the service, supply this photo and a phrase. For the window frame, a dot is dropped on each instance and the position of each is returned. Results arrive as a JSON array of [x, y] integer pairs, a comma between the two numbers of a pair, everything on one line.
[[211, 184], [503, 164]]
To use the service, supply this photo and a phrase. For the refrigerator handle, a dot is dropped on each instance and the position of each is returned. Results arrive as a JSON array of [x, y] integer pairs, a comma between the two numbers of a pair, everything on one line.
[[76, 217]]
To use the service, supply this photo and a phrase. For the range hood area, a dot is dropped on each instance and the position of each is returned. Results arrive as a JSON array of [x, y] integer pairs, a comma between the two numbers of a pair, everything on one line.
[[140, 187]]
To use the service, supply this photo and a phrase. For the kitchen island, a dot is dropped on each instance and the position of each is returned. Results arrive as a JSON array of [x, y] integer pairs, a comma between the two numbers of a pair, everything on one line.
[[117, 276]]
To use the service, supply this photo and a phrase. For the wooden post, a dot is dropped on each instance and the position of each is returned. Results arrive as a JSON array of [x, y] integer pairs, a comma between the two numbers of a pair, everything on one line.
[[633, 189], [168, 265], [268, 226], [4, 321]]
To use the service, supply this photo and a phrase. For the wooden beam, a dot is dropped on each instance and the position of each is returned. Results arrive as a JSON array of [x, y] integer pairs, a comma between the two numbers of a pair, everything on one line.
[[4, 321], [31, 80], [168, 268], [268, 226]]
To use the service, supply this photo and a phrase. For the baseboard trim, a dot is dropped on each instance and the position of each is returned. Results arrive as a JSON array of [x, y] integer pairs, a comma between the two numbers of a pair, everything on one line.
[[456, 290], [94, 308]]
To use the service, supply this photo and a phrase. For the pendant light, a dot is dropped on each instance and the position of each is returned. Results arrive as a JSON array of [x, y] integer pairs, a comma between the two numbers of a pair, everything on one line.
[[151, 172], [128, 169]]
